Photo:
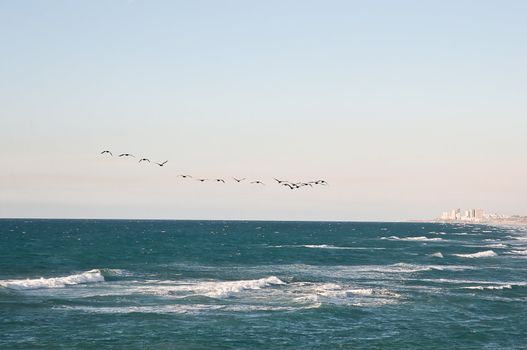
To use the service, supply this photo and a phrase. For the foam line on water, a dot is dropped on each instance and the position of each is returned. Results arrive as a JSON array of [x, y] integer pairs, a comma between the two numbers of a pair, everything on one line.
[[325, 246], [411, 239], [506, 286]]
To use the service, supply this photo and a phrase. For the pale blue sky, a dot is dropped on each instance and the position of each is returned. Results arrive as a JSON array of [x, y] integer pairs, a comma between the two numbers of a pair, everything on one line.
[[407, 108]]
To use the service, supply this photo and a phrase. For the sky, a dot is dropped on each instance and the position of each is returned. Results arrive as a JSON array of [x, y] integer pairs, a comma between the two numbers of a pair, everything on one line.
[[406, 108]]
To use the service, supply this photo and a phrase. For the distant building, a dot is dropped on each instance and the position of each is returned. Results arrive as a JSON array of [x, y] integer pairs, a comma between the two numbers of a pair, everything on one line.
[[468, 215], [480, 216]]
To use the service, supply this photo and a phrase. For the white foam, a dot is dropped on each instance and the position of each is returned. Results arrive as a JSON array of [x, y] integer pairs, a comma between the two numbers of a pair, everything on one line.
[[519, 252], [54, 282], [117, 273], [332, 293], [496, 245], [322, 246], [506, 286], [484, 254], [418, 238], [437, 255], [325, 246], [220, 289], [361, 291]]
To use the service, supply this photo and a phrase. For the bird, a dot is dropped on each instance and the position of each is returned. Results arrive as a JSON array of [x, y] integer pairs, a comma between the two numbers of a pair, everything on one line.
[[238, 180], [320, 182], [220, 180], [184, 176], [162, 164], [126, 155], [281, 181], [144, 160], [202, 180], [258, 182], [291, 187], [108, 152]]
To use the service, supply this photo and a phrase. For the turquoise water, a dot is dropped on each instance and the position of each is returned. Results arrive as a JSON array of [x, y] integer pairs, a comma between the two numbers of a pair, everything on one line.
[[260, 285]]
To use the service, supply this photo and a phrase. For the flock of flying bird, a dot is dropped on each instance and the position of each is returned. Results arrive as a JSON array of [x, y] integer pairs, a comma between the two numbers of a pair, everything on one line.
[[288, 184]]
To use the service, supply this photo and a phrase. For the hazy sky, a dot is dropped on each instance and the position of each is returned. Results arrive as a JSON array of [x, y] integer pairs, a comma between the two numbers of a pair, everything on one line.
[[407, 108]]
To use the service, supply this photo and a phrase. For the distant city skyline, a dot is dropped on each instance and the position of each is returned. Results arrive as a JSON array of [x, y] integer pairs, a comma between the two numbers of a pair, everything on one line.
[[405, 108], [478, 215]]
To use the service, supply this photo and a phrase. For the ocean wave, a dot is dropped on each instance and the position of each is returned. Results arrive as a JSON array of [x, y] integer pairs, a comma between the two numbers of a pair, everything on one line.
[[437, 255], [91, 276], [185, 308], [496, 245], [221, 289], [116, 273], [476, 282], [325, 246], [501, 287], [518, 252], [418, 239], [336, 294], [484, 254]]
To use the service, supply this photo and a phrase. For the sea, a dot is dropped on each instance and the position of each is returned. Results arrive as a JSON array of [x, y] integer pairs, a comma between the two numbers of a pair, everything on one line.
[[127, 284]]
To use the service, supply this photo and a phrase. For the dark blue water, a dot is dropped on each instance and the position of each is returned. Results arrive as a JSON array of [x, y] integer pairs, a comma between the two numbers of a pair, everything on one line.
[[250, 285]]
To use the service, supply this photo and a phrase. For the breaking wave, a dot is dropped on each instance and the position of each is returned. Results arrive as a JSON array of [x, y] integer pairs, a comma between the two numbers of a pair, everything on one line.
[[484, 254], [216, 289], [91, 276]]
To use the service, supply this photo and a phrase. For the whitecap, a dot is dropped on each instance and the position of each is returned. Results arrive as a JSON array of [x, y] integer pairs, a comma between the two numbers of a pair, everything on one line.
[[496, 245], [437, 255], [518, 252], [91, 276], [484, 254], [418, 238], [325, 246], [501, 287], [221, 289], [337, 294]]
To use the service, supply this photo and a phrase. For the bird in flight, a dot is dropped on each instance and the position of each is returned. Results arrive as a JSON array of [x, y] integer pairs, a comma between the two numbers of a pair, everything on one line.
[[291, 187], [219, 180], [238, 180], [184, 176], [319, 182], [144, 160], [258, 182], [162, 164], [126, 155], [202, 180], [107, 152], [281, 181]]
